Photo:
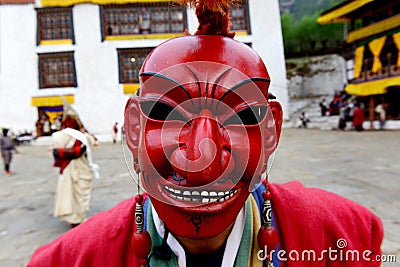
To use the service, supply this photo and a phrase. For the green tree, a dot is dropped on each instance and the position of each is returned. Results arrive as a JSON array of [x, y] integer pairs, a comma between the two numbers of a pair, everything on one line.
[[307, 37], [286, 23], [302, 35]]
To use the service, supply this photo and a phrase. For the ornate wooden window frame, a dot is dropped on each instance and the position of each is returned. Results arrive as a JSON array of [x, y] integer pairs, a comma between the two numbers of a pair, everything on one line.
[[57, 70], [240, 18], [142, 21], [55, 26], [130, 60]]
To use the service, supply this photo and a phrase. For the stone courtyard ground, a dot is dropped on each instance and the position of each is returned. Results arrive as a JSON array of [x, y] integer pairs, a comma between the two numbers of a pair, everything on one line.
[[364, 167]]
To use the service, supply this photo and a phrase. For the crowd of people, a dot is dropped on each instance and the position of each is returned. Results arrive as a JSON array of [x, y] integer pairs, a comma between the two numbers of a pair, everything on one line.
[[46, 127], [21, 138], [350, 111], [71, 148]]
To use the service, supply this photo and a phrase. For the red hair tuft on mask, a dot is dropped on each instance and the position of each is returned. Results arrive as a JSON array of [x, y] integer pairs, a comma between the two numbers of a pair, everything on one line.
[[213, 16]]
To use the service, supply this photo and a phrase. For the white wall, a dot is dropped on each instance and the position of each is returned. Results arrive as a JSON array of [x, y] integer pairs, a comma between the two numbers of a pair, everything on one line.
[[327, 76], [268, 42], [99, 98], [18, 66]]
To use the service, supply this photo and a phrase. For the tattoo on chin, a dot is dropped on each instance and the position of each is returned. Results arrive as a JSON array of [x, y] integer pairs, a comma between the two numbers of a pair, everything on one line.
[[198, 220]]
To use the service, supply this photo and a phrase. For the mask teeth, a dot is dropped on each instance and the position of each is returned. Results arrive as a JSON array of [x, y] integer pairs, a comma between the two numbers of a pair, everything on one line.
[[200, 196]]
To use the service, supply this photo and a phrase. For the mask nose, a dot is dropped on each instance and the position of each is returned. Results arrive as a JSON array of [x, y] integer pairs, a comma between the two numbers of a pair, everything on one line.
[[202, 158]]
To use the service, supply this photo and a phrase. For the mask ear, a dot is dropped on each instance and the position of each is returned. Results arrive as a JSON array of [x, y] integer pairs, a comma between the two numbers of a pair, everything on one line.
[[132, 126], [273, 128]]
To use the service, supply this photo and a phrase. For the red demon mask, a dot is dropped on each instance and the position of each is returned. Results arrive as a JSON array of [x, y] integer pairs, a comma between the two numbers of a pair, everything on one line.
[[201, 131]]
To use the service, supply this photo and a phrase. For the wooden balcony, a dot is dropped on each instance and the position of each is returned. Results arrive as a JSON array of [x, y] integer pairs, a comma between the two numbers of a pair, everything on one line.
[[390, 69], [375, 83]]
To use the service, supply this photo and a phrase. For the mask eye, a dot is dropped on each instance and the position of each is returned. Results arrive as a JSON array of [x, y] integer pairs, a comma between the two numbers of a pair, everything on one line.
[[248, 116], [161, 111]]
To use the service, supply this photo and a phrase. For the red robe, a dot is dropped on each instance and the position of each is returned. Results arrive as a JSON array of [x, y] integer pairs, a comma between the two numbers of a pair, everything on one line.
[[307, 219], [358, 117]]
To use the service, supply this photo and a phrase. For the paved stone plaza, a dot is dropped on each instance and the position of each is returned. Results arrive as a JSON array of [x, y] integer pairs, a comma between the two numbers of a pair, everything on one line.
[[364, 167]]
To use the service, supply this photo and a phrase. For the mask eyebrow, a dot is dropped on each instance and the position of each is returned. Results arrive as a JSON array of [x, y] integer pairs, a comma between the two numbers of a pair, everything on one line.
[[240, 84], [197, 83], [214, 88], [195, 78], [218, 80], [162, 76]]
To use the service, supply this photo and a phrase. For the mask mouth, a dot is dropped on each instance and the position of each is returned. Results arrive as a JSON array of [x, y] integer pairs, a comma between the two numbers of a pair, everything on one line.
[[184, 195], [197, 196], [219, 191]]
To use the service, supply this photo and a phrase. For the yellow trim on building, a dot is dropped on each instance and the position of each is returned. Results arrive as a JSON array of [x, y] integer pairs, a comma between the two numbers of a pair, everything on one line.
[[396, 40], [51, 3], [358, 61], [143, 36], [53, 115], [241, 33], [376, 47], [376, 87], [131, 88], [56, 42], [336, 15], [51, 101], [376, 28], [156, 36]]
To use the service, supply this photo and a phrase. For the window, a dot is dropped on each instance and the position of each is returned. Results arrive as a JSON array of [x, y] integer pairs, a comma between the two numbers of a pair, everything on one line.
[[57, 70], [54, 24], [240, 17], [130, 62], [144, 18]]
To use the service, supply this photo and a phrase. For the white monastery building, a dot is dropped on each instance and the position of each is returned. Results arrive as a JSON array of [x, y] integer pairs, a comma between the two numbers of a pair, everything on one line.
[[90, 52]]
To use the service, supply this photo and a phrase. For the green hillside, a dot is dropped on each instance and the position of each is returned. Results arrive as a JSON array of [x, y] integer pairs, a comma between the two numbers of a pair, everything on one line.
[[300, 8], [302, 35]]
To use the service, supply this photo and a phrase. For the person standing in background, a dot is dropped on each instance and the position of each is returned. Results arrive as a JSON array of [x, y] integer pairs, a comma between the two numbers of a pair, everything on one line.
[[304, 120], [115, 132], [46, 127], [71, 149], [323, 106], [382, 115], [7, 149], [358, 117]]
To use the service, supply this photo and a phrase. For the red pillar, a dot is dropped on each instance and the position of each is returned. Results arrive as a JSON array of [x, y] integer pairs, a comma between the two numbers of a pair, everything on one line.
[[371, 111]]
